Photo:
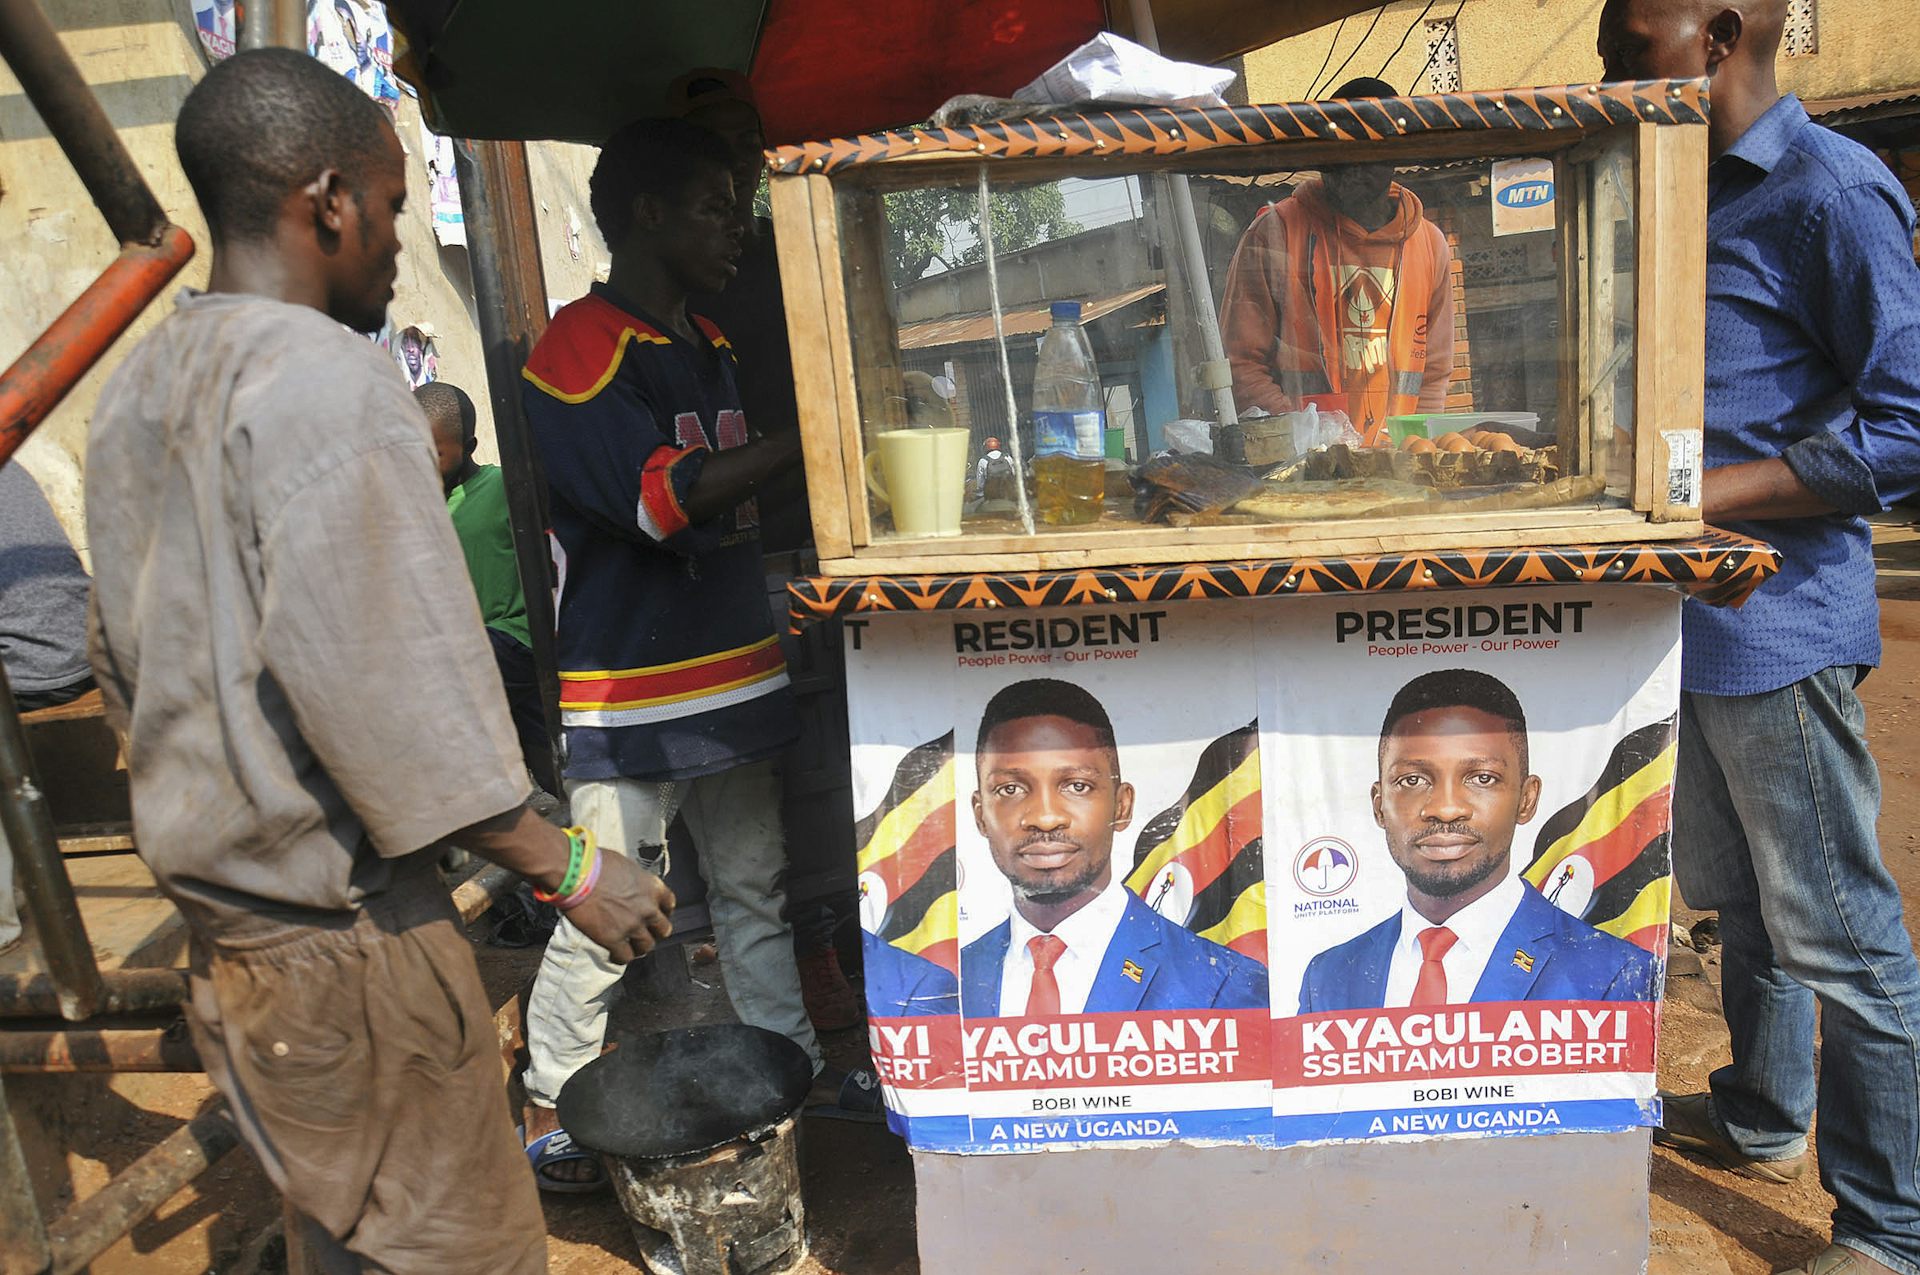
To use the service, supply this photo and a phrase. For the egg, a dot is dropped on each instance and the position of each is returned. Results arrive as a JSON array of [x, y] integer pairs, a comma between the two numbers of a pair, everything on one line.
[[1419, 446], [1453, 443], [1503, 443]]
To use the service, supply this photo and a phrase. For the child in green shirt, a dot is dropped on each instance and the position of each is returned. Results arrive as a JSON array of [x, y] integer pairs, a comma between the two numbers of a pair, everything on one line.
[[477, 501]]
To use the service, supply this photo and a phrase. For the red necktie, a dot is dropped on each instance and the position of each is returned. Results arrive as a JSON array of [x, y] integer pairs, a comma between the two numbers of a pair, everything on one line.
[[1431, 987], [1044, 996]]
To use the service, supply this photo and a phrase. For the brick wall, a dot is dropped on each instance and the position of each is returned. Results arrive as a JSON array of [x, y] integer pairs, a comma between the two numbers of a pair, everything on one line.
[[1460, 391]]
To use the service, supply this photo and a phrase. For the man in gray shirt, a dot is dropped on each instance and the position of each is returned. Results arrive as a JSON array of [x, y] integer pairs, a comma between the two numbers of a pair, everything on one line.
[[285, 631], [43, 599]]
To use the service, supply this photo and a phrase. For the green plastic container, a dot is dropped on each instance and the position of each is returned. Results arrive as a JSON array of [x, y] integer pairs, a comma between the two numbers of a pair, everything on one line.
[[1401, 428], [1116, 443]]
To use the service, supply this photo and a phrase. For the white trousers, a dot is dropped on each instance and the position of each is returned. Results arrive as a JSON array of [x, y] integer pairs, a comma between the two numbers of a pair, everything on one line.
[[735, 820], [9, 909]]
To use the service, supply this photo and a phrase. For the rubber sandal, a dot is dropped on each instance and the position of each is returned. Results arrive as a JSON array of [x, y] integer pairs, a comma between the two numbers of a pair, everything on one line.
[[856, 1098], [557, 1147]]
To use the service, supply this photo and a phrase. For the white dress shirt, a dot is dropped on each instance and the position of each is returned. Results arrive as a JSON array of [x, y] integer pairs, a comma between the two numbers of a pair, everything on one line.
[[1086, 934], [1476, 928]]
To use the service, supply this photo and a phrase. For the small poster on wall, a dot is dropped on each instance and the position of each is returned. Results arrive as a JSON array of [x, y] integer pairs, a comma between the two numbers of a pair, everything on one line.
[[216, 22], [1523, 196], [354, 38]]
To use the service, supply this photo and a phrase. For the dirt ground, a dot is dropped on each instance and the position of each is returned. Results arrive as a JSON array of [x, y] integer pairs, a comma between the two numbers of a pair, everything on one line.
[[858, 1178]]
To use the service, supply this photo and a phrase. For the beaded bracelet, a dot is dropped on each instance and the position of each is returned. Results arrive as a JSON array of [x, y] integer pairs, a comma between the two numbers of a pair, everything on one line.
[[583, 871]]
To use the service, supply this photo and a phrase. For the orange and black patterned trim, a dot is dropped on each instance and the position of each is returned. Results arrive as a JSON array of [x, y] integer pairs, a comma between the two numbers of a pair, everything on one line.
[[1159, 131], [1717, 567]]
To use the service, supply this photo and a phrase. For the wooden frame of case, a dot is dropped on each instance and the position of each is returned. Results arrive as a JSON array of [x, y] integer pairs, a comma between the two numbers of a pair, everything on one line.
[[846, 390]]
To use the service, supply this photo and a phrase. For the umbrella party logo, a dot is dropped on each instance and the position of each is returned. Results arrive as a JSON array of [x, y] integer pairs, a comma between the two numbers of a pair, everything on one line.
[[1325, 867]]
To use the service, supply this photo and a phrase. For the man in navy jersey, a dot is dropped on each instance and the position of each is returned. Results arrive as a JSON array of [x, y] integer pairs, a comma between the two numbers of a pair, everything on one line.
[[673, 689]]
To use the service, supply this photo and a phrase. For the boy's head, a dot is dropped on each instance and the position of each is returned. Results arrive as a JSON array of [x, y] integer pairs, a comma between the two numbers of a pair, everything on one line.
[[451, 414], [284, 153], [664, 189]]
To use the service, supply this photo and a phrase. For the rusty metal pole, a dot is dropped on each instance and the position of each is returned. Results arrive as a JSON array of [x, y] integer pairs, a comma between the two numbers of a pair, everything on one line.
[[121, 992], [130, 1049], [256, 24], [510, 292], [28, 826], [93, 1225], [78, 122], [288, 28], [24, 1249]]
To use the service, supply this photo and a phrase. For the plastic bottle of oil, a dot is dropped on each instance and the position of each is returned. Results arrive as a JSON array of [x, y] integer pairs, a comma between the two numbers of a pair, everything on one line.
[[1069, 425]]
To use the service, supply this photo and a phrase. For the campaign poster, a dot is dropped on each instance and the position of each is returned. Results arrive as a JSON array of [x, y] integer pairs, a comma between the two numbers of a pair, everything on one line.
[[354, 38], [1467, 870], [216, 23], [443, 187], [419, 358], [1063, 889]]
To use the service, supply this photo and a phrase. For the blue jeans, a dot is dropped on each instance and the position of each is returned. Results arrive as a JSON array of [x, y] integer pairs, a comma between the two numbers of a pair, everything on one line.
[[1774, 808]]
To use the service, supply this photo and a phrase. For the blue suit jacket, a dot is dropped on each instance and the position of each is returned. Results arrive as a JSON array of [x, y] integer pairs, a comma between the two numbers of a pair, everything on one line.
[[902, 985], [1177, 969], [1572, 961]]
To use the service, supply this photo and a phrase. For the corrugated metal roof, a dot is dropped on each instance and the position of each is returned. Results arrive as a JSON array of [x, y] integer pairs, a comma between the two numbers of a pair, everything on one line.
[[963, 329], [1871, 106]]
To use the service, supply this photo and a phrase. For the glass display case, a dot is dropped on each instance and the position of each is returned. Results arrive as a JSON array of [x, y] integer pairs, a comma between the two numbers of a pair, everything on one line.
[[1251, 332]]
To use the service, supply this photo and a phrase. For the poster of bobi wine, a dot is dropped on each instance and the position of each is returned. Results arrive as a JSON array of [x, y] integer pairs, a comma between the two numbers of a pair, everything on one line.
[[1169, 872], [1061, 874], [1468, 874]]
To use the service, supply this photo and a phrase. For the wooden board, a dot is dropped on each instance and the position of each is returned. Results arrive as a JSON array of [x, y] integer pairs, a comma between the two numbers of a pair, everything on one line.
[[1576, 342], [815, 370], [1233, 544], [833, 290], [1670, 305], [130, 924], [934, 168]]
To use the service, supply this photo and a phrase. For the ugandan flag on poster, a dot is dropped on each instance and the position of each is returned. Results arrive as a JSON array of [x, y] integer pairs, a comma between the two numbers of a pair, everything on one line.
[[1198, 862], [1605, 857], [907, 882]]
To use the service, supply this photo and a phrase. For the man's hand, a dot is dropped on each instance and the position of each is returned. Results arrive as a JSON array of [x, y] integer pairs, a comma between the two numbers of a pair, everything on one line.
[[1757, 490], [629, 910]]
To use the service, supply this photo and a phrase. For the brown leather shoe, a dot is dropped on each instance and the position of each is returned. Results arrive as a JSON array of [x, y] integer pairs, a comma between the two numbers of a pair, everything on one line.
[[1838, 1259], [1688, 1125]]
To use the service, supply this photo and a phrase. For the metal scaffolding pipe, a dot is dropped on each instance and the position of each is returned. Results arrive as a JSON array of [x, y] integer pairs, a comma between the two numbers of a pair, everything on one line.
[[61, 355], [79, 123], [121, 992], [92, 1226], [477, 893], [28, 826], [140, 1049], [24, 1249]]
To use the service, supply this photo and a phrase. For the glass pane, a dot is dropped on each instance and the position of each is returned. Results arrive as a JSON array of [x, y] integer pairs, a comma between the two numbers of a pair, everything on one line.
[[1366, 340]]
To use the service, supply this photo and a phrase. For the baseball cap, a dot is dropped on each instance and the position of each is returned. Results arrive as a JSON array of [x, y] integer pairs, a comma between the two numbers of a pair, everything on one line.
[[708, 86]]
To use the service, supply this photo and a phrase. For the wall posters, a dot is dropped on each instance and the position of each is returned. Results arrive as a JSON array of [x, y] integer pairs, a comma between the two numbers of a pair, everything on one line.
[[1338, 868]]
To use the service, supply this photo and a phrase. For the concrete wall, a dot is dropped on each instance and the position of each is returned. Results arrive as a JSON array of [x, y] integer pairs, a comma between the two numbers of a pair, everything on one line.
[[1570, 1203], [1507, 43], [141, 63]]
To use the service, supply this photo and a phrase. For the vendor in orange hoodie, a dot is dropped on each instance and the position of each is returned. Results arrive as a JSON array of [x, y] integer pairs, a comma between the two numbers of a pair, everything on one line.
[[1341, 295]]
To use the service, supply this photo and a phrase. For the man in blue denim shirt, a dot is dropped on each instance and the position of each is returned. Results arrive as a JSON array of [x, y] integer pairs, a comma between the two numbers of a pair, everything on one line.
[[1812, 421]]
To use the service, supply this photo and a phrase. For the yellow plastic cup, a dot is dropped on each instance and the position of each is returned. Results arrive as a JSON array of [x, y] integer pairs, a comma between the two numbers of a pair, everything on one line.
[[921, 475]]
